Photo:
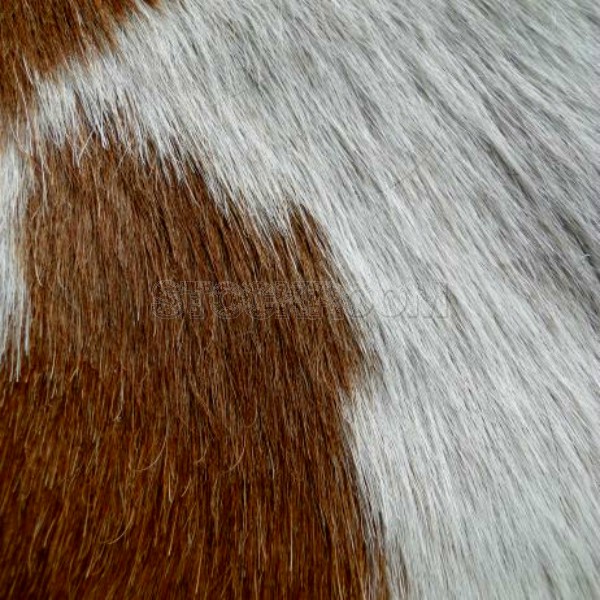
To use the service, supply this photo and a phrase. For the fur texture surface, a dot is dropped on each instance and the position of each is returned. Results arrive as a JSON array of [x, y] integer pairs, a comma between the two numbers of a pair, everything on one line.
[[447, 153], [174, 454]]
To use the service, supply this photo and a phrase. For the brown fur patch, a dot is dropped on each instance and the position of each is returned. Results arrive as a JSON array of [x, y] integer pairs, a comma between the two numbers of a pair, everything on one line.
[[43, 34], [145, 456]]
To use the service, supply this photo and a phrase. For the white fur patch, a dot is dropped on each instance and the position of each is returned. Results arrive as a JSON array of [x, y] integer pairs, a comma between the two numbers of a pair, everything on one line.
[[14, 178], [450, 150]]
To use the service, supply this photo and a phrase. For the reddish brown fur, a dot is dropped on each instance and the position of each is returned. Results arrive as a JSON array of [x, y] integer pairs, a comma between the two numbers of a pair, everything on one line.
[[170, 457], [43, 34]]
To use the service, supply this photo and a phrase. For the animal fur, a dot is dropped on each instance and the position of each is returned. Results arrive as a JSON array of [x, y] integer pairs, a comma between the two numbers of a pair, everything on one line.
[[429, 170]]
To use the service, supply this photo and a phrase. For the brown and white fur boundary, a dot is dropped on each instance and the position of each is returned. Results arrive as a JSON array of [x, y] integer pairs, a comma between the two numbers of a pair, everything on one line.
[[436, 435]]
